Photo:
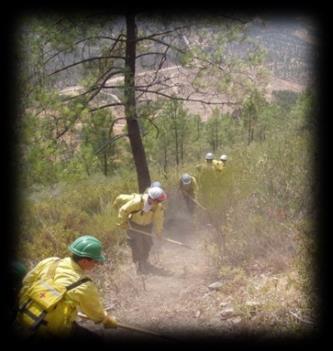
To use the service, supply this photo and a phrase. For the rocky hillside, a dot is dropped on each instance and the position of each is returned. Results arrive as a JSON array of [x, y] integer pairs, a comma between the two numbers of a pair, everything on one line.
[[289, 43]]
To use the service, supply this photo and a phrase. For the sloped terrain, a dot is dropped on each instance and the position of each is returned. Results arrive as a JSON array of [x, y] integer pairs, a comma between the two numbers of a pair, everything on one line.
[[189, 296]]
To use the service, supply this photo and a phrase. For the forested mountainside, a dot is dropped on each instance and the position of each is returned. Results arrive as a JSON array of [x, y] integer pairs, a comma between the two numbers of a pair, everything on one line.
[[241, 256], [291, 47]]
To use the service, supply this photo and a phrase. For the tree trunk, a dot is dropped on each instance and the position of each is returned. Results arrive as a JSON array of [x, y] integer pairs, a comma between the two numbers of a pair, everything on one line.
[[137, 148], [249, 139], [176, 137], [216, 136], [182, 150], [105, 164], [165, 165]]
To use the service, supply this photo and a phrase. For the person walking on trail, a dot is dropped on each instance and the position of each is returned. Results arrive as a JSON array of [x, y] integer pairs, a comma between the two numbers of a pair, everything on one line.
[[144, 212], [219, 164], [209, 160], [210, 164], [188, 186], [54, 290], [223, 160]]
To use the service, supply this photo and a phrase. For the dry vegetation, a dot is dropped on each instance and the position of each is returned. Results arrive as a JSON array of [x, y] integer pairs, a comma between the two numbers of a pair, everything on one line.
[[261, 275]]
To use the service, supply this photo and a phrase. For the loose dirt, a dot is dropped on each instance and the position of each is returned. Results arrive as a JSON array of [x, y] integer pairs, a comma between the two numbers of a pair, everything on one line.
[[179, 300], [173, 301]]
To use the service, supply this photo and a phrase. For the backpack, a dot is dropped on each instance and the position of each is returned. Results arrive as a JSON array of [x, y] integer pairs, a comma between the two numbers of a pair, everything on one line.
[[43, 297], [122, 199]]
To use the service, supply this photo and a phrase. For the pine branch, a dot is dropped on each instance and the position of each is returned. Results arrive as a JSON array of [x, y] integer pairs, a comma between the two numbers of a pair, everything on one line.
[[105, 106], [98, 37], [86, 60], [110, 141], [187, 99]]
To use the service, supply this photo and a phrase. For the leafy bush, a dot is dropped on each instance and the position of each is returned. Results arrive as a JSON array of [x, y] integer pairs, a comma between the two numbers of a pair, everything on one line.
[[265, 188], [54, 217]]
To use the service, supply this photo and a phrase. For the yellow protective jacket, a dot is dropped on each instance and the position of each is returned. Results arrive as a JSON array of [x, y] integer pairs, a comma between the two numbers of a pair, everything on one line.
[[133, 210], [190, 189], [84, 297], [122, 199], [215, 165], [218, 165]]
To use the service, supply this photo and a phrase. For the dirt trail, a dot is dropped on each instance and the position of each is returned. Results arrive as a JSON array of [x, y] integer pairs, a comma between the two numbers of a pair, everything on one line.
[[178, 302], [176, 299]]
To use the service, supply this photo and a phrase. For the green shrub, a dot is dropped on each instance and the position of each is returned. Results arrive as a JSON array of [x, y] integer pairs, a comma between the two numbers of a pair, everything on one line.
[[55, 216]]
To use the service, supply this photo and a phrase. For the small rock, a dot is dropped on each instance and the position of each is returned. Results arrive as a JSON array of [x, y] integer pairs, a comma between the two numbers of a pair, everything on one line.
[[197, 314], [215, 286], [226, 312], [111, 306], [235, 320], [207, 295], [223, 304], [251, 303]]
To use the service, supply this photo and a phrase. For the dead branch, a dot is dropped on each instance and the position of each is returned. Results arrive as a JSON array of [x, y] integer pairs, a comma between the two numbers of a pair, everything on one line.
[[87, 60], [97, 37], [105, 106], [152, 36], [300, 319], [186, 99], [113, 123], [110, 142], [100, 87], [150, 120]]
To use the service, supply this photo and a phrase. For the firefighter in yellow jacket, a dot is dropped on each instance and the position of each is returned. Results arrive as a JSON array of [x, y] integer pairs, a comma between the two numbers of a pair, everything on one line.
[[123, 198], [144, 212], [210, 164], [219, 164], [224, 159], [188, 186], [68, 271]]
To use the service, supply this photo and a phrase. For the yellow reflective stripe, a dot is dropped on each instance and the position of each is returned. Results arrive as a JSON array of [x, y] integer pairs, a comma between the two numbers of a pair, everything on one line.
[[50, 288]]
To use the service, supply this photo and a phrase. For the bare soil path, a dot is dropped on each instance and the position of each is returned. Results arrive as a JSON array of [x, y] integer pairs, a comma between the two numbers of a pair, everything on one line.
[[173, 301], [179, 302]]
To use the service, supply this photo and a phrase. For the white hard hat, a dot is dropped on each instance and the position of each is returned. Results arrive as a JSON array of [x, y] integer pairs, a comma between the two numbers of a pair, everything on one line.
[[157, 193], [186, 179], [158, 184], [224, 157], [209, 156]]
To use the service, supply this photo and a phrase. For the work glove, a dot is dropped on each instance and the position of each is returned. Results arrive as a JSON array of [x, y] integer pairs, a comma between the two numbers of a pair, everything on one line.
[[123, 225], [110, 322]]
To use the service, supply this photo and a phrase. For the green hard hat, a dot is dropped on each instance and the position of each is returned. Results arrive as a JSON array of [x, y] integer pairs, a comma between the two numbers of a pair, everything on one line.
[[87, 246]]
